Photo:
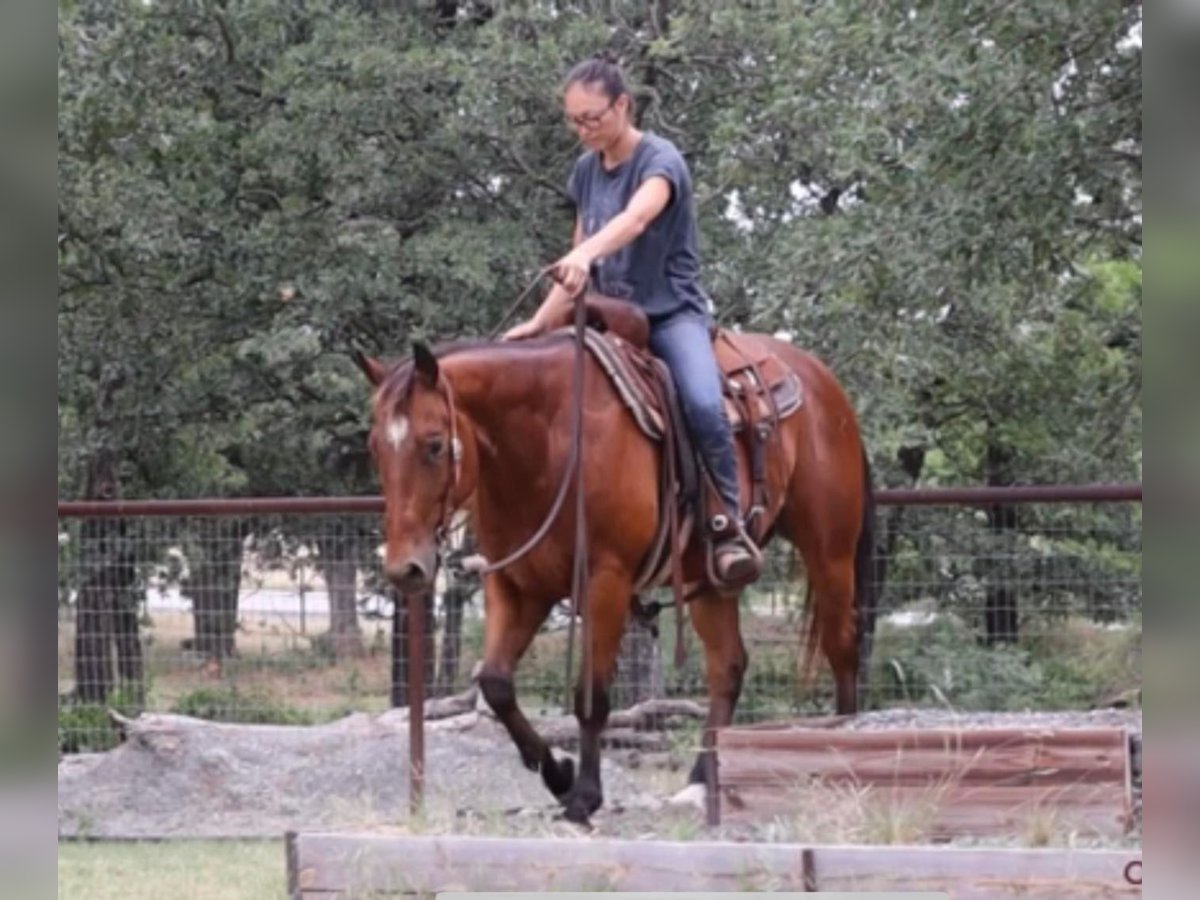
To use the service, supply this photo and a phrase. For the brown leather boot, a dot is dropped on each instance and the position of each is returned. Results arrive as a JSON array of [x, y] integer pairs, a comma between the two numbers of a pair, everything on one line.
[[737, 561]]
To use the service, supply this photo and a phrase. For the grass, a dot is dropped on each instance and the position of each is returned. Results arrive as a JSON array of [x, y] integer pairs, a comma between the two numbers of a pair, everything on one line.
[[279, 676], [211, 870], [1066, 664], [231, 870], [848, 812]]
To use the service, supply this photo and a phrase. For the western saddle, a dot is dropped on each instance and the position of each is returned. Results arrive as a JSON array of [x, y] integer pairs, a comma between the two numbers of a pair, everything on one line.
[[759, 392]]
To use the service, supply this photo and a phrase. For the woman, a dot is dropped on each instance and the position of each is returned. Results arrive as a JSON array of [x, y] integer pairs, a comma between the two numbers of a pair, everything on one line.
[[635, 237]]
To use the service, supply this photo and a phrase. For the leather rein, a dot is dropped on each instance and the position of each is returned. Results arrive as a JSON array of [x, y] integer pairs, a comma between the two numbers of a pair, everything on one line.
[[480, 566]]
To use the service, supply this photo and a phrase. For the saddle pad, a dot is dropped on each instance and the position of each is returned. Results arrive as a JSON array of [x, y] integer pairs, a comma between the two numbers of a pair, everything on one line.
[[617, 358]]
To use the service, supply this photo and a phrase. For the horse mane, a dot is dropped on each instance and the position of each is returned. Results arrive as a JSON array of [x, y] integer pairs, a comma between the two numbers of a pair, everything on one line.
[[465, 345], [399, 381]]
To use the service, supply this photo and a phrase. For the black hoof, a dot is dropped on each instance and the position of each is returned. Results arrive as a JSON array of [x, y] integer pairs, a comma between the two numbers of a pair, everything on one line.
[[581, 804], [576, 815], [559, 777]]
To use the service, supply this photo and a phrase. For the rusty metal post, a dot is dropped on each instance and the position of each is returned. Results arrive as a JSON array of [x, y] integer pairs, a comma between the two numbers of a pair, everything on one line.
[[712, 794], [415, 676]]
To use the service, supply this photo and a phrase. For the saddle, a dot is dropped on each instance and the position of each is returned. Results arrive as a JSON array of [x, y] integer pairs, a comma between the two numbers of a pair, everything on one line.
[[759, 392]]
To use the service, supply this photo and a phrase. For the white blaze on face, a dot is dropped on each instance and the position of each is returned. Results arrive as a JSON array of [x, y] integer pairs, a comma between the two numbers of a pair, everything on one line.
[[397, 431]]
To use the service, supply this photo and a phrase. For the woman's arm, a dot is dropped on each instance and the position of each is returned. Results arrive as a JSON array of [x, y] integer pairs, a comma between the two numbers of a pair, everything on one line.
[[650, 199], [554, 308]]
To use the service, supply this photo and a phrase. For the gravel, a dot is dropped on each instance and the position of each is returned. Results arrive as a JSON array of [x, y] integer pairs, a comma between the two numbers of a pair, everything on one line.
[[180, 777], [936, 718], [176, 777]]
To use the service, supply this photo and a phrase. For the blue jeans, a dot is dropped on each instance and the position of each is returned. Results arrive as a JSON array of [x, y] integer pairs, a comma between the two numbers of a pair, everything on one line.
[[684, 344]]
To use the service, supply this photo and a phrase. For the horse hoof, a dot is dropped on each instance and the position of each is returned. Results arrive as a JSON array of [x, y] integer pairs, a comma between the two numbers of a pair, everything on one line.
[[575, 814], [580, 806], [559, 777], [693, 795]]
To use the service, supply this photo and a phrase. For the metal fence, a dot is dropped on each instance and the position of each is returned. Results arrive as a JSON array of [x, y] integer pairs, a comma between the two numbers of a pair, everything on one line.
[[275, 611]]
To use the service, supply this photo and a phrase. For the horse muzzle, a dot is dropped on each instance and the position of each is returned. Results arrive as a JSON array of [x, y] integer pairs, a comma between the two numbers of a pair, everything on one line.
[[411, 573]]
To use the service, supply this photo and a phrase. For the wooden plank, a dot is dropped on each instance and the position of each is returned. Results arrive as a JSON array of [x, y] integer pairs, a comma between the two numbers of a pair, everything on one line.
[[982, 781], [362, 863], [936, 814], [1017, 765], [808, 722], [293, 863], [928, 738], [983, 874], [1031, 798], [329, 865], [990, 768]]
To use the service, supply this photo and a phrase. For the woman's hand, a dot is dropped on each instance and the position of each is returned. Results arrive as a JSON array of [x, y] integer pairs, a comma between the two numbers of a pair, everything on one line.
[[527, 329], [572, 271]]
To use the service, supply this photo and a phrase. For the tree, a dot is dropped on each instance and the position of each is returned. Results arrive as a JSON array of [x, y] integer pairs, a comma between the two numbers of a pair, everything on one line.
[[940, 198]]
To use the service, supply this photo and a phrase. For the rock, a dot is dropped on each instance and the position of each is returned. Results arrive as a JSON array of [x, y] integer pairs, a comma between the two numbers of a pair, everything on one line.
[[177, 776]]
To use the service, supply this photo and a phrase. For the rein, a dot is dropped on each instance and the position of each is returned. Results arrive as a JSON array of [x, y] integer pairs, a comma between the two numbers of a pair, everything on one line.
[[480, 566], [508, 313]]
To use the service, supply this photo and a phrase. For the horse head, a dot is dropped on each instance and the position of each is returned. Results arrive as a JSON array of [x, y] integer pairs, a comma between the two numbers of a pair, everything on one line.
[[417, 446]]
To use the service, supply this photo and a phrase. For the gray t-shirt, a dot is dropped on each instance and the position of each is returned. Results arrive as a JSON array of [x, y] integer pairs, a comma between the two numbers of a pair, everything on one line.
[[660, 269]]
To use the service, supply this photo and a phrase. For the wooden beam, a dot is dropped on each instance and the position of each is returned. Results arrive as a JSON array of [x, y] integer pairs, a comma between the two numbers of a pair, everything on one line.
[[977, 874], [969, 781], [328, 865]]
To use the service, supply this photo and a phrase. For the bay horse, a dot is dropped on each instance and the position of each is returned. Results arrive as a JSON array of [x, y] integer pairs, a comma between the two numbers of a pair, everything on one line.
[[486, 427]]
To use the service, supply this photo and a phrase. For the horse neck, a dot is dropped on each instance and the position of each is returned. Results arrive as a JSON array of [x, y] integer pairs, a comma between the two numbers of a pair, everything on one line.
[[507, 396]]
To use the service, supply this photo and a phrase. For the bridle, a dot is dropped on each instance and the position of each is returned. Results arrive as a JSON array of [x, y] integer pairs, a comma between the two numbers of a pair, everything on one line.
[[454, 456], [480, 566]]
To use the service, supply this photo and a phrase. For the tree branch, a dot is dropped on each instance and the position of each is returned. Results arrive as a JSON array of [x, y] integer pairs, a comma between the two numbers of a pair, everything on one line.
[[506, 147], [226, 37]]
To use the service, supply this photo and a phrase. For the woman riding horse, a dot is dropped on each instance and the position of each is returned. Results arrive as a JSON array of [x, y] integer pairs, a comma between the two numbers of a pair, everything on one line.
[[635, 238], [489, 427]]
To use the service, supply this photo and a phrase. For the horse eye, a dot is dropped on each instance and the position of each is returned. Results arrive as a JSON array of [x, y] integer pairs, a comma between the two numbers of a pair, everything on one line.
[[435, 447]]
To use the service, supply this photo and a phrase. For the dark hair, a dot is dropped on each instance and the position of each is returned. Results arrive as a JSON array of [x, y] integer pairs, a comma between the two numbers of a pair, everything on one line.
[[602, 69]]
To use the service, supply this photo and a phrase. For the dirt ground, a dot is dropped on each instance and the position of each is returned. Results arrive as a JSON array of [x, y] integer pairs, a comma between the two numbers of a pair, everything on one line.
[[181, 777]]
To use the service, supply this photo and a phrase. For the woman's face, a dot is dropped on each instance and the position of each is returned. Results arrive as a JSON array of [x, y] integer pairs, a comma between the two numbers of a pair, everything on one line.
[[598, 119]]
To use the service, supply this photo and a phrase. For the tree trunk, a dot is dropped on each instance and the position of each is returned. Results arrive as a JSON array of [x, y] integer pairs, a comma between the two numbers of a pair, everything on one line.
[[93, 629], [912, 461], [453, 601], [1000, 605], [462, 587], [106, 614], [340, 572], [213, 587], [400, 649], [639, 666], [130, 667]]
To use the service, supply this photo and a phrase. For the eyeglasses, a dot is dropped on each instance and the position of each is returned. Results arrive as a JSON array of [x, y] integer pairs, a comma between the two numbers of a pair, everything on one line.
[[592, 119]]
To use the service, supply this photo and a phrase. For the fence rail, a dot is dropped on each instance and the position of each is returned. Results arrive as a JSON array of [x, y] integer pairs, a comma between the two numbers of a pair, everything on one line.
[[216, 506], [274, 609]]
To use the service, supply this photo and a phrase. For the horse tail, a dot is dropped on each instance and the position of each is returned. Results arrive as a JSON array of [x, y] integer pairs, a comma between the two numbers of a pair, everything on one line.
[[809, 635], [869, 573]]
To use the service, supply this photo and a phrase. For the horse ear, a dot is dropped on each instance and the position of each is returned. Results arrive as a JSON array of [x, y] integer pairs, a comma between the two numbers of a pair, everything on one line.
[[372, 368], [426, 363]]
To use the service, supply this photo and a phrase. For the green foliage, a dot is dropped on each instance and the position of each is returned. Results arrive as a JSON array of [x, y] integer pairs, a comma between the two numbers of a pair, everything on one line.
[[942, 199], [88, 728], [1072, 665], [245, 706], [943, 664], [85, 728]]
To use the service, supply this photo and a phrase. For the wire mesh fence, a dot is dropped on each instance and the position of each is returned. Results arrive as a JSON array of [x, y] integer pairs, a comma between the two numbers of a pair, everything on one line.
[[284, 617]]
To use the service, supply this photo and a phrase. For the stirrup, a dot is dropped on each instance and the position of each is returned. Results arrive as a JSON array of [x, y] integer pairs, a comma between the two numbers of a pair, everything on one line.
[[728, 536]]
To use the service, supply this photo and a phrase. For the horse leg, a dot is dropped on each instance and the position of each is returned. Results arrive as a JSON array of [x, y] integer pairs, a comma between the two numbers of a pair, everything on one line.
[[609, 598], [815, 522], [715, 618], [508, 630], [834, 616]]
